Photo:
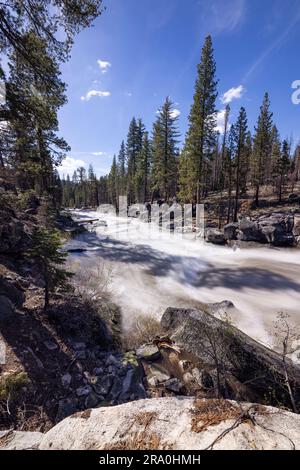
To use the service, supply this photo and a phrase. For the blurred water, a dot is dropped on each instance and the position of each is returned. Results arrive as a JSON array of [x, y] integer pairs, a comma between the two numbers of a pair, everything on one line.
[[154, 270]]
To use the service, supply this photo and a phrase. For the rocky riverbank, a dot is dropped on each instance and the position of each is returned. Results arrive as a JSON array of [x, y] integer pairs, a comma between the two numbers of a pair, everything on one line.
[[277, 229]]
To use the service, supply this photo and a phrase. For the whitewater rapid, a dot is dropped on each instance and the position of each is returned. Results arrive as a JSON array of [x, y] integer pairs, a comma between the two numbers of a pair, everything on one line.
[[154, 270]]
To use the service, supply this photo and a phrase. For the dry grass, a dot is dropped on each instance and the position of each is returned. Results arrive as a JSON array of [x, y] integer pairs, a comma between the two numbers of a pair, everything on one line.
[[143, 330], [144, 439], [208, 413], [140, 441], [93, 284]]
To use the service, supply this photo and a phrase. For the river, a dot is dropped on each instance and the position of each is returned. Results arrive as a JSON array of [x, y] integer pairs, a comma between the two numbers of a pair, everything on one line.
[[153, 270]]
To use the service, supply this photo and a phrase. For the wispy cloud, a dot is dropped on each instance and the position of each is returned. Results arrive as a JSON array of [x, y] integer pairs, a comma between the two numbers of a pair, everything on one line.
[[279, 41], [104, 65], [233, 93], [92, 93], [99, 154], [218, 16]]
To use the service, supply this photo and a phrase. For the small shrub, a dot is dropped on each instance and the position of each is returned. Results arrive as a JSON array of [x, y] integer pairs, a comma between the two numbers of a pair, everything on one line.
[[11, 385], [143, 330]]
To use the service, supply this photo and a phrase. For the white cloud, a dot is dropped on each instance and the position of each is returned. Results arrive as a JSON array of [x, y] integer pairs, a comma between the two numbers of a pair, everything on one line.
[[220, 121], [99, 154], [233, 93], [175, 113], [217, 18], [104, 65], [90, 94], [69, 165]]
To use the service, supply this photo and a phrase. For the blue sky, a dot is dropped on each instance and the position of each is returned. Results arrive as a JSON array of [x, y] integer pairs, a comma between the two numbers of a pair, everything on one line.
[[140, 51]]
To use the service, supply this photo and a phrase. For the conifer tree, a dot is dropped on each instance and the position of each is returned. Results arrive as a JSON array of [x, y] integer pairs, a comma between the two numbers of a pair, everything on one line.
[[262, 147], [132, 149], [113, 183], [47, 252], [165, 152], [201, 136], [240, 137], [281, 166], [122, 170], [143, 170]]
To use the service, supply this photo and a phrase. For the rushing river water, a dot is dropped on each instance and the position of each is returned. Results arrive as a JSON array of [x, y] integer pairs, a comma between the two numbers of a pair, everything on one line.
[[157, 270]]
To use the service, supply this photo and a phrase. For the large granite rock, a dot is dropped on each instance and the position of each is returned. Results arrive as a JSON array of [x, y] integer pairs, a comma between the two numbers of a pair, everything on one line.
[[276, 229], [231, 231], [215, 236], [176, 424], [19, 440], [241, 367]]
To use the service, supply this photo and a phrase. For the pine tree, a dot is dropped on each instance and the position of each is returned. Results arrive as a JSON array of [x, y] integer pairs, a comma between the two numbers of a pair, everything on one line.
[[32, 106], [122, 170], [229, 169], [262, 148], [240, 137], [143, 170], [281, 166], [132, 149], [93, 197], [223, 166], [201, 136], [47, 252], [165, 152], [113, 183]]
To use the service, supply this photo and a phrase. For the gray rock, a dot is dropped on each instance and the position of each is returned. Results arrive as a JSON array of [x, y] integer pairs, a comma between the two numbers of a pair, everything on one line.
[[103, 385], [159, 374], [66, 407], [81, 355], [92, 400], [152, 381], [83, 391], [171, 418], [20, 440], [220, 307], [230, 231], [211, 340], [173, 385], [66, 380], [98, 371], [78, 346], [249, 231], [111, 361], [50, 345], [116, 389], [294, 198], [277, 229], [12, 289], [7, 310], [215, 236], [148, 352], [133, 384]]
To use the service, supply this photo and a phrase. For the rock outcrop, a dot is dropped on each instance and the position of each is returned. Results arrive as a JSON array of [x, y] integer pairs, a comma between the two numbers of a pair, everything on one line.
[[169, 424], [239, 367], [20, 440], [276, 229]]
